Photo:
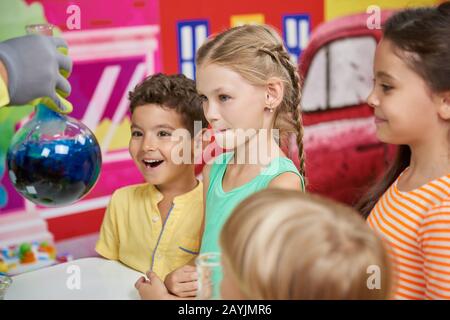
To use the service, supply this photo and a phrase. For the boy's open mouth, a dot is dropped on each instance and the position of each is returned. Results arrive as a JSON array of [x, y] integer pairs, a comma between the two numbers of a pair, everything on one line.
[[152, 163]]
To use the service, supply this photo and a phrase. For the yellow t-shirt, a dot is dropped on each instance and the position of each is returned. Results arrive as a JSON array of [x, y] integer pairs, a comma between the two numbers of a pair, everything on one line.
[[133, 231], [4, 96]]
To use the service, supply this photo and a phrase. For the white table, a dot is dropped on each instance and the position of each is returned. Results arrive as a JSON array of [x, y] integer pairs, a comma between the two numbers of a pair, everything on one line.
[[89, 278]]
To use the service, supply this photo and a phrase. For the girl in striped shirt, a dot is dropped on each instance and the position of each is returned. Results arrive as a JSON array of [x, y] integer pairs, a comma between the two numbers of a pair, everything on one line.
[[410, 207]]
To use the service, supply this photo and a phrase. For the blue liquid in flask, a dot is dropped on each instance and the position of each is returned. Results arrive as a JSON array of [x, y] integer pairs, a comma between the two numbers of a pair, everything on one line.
[[53, 160]]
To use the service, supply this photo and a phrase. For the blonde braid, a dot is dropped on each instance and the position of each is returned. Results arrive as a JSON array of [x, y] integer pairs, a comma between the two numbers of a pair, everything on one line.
[[280, 55]]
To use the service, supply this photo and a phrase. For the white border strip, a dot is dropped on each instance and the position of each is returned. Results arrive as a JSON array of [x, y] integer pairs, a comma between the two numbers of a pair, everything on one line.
[[79, 207], [29, 238], [113, 43], [22, 225]]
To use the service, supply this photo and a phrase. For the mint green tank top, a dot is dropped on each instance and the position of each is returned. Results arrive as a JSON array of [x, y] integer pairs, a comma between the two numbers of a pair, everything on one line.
[[220, 204]]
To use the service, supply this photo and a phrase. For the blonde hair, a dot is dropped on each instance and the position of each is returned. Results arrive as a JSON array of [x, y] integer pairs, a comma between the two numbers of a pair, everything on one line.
[[257, 53], [284, 244]]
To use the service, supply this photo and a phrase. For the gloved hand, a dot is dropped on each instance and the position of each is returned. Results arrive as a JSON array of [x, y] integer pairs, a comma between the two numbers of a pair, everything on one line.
[[37, 69]]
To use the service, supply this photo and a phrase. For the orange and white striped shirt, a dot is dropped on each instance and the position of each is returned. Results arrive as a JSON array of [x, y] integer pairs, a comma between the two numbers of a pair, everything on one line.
[[416, 226]]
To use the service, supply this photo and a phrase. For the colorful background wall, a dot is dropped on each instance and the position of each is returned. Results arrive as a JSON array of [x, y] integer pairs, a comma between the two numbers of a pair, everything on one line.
[[118, 42]]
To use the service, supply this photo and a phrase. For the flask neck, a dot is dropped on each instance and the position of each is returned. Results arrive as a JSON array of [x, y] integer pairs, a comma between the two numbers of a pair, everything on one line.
[[45, 113]]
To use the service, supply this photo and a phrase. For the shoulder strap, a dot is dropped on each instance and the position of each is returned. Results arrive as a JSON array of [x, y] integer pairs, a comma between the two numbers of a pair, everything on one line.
[[279, 166], [218, 168]]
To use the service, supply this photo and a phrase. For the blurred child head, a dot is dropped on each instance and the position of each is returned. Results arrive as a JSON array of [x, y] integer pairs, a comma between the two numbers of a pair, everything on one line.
[[411, 93], [281, 244], [248, 81], [164, 109]]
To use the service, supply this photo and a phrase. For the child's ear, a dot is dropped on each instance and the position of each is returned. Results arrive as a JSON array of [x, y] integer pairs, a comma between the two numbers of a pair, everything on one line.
[[444, 105], [274, 93]]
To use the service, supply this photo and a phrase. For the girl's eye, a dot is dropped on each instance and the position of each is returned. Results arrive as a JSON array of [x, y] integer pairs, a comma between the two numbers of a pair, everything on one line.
[[224, 97], [386, 88], [164, 134], [136, 134], [203, 98]]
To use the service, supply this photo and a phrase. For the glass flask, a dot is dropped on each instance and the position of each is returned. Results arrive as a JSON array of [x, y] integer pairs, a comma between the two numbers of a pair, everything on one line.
[[209, 269], [53, 160], [5, 283]]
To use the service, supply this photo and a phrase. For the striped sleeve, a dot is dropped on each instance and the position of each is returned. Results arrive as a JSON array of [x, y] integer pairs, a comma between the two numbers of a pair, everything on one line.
[[434, 237]]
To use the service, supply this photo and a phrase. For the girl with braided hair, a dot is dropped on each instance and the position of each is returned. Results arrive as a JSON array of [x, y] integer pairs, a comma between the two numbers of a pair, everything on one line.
[[251, 98]]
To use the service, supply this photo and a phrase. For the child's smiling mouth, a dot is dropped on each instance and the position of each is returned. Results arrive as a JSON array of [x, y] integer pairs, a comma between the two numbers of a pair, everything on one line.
[[152, 163]]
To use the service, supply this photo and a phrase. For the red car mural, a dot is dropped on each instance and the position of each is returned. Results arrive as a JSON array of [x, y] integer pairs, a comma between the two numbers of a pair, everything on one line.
[[343, 155]]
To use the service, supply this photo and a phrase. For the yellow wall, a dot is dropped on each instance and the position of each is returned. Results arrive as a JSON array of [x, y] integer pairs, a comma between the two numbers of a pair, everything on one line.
[[338, 8], [239, 20]]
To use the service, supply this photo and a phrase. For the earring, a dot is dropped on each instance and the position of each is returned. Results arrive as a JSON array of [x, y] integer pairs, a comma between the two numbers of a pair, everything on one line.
[[270, 106]]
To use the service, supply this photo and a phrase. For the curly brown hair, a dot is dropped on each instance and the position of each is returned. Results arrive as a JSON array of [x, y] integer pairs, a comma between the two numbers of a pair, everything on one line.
[[175, 92]]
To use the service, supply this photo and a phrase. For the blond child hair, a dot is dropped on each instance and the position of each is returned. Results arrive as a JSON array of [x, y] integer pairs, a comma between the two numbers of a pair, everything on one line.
[[283, 244]]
